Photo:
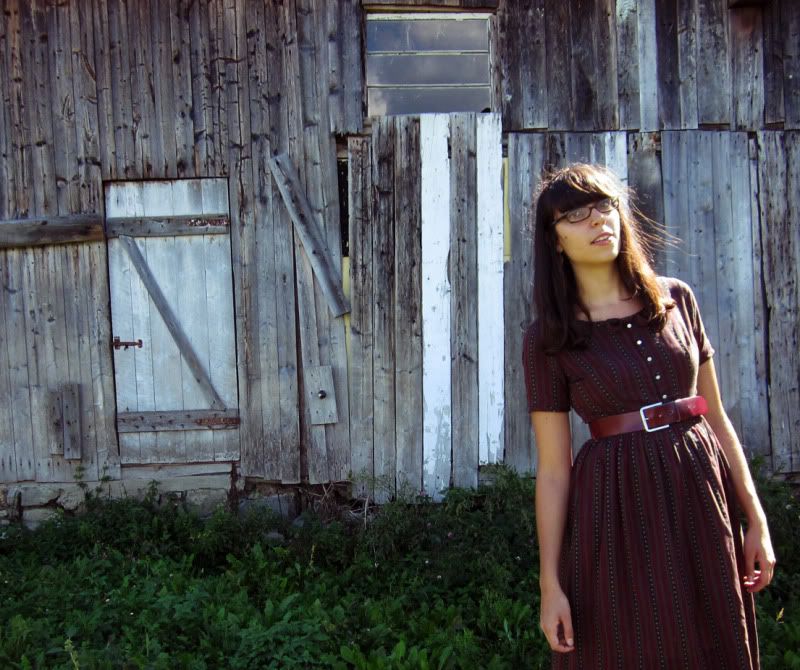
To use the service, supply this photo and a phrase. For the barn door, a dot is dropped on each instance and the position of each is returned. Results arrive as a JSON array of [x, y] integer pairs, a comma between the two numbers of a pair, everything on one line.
[[172, 319]]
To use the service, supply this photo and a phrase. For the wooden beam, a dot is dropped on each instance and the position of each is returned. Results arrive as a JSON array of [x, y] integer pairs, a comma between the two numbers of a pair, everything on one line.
[[168, 226], [170, 320], [51, 230], [309, 232], [137, 422]]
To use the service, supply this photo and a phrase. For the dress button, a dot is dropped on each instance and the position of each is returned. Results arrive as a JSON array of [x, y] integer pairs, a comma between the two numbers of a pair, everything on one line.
[[658, 377], [664, 397], [639, 342], [649, 359], [629, 325]]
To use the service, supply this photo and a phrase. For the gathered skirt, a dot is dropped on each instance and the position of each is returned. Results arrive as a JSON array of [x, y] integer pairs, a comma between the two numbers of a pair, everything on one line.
[[652, 559]]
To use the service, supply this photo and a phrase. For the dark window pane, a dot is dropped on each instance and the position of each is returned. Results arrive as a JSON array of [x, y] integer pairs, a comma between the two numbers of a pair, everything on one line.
[[427, 35], [384, 101], [424, 69]]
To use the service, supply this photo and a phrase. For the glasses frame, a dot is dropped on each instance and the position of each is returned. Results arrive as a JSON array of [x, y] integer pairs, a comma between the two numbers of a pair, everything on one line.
[[614, 205]]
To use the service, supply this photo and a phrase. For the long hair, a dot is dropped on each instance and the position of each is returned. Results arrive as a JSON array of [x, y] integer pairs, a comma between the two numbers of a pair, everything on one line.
[[555, 289]]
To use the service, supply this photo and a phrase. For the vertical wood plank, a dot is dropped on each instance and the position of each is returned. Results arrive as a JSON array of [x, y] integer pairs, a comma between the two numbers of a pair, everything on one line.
[[22, 197], [604, 42], [436, 294], [163, 260], [489, 183], [37, 102], [108, 462], [628, 63], [407, 299], [584, 76], [352, 67], [748, 342], [648, 66], [558, 49], [773, 64], [87, 125], [645, 178], [523, 61], [755, 412], [7, 172], [105, 110], [463, 267], [145, 132], [713, 63], [687, 62], [384, 454], [669, 82], [202, 150], [779, 173], [18, 365], [729, 358], [747, 69], [284, 122], [790, 21], [8, 444], [121, 89], [160, 63], [359, 177], [180, 57]]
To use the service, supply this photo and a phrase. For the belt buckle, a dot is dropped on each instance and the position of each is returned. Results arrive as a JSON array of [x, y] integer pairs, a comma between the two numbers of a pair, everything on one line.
[[644, 418]]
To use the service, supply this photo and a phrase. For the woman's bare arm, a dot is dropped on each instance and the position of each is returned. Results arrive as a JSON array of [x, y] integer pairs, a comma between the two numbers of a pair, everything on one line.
[[553, 443], [757, 545]]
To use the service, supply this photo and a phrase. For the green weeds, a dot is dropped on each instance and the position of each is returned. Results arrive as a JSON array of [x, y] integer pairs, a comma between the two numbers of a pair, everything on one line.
[[137, 585]]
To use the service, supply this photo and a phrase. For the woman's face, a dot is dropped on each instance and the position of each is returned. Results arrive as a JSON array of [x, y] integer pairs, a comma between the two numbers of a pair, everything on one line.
[[592, 240]]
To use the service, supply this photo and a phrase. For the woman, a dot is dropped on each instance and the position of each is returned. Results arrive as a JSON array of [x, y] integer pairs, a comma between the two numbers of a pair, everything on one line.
[[642, 560]]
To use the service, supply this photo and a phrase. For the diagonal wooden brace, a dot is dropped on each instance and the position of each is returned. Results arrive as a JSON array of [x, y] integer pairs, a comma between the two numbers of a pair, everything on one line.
[[310, 233]]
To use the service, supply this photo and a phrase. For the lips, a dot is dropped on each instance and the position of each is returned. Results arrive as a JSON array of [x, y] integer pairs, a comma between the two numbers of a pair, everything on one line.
[[602, 238]]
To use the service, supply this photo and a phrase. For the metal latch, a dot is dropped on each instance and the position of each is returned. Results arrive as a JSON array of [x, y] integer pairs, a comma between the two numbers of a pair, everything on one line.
[[119, 344]]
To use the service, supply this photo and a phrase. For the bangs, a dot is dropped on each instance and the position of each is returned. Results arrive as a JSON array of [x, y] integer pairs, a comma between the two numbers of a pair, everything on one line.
[[576, 186]]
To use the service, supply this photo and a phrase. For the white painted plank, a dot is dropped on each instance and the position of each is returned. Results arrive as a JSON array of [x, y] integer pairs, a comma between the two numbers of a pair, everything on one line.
[[436, 387], [157, 198], [215, 197], [192, 314], [119, 274], [187, 197], [142, 311], [491, 336], [222, 336], [168, 386], [124, 200]]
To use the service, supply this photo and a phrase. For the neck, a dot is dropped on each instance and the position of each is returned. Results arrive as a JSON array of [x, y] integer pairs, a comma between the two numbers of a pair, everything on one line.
[[599, 285]]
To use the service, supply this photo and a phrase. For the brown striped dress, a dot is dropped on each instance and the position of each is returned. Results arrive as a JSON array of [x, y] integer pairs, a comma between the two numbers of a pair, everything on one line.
[[651, 559]]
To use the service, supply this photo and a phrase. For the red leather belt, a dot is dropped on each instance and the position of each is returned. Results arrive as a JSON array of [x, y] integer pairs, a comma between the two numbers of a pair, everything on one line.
[[650, 417]]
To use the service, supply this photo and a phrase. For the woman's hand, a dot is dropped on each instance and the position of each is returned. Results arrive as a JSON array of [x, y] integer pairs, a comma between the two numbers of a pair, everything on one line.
[[556, 620], [758, 550]]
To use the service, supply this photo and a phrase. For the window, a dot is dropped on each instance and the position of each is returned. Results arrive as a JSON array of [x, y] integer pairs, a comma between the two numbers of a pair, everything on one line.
[[433, 62]]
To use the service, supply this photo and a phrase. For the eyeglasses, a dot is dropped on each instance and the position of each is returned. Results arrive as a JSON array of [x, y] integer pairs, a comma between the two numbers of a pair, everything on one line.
[[579, 214]]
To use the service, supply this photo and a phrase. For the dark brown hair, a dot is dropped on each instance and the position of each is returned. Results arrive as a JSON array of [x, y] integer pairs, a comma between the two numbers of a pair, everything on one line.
[[555, 291]]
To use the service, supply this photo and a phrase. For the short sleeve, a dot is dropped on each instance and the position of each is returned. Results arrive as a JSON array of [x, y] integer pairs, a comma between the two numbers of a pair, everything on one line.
[[545, 381], [695, 322]]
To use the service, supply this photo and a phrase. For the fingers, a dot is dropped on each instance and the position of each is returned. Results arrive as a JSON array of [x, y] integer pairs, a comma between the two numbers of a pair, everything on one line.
[[760, 579], [559, 634], [757, 579]]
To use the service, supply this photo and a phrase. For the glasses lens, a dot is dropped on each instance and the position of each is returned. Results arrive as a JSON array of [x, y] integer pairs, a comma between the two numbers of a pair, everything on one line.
[[605, 205], [578, 214]]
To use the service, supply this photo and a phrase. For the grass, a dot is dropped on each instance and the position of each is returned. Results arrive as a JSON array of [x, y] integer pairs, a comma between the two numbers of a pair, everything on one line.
[[138, 585]]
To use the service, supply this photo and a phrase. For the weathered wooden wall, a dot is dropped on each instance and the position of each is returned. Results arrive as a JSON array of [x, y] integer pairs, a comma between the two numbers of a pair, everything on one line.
[[649, 64], [98, 91], [694, 103]]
